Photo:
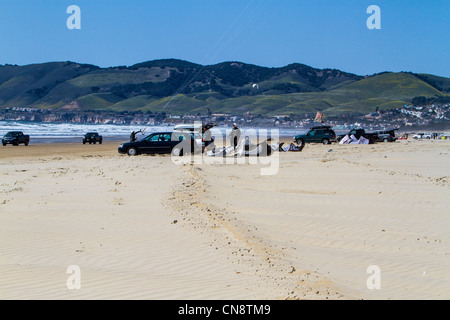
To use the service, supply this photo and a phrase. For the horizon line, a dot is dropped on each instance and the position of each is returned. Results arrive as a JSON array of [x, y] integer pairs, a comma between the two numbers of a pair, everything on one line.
[[207, 65]]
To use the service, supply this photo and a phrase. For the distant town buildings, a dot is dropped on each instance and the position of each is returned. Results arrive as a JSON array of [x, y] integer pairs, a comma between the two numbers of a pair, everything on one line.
[[401, 117]]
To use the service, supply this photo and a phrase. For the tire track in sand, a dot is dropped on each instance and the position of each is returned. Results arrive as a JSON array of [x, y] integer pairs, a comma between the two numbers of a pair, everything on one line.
[[245, 248]]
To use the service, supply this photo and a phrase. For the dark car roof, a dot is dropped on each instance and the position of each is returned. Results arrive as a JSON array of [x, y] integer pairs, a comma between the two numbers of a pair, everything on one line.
[[14, 133], [172, 132], [164, 132]]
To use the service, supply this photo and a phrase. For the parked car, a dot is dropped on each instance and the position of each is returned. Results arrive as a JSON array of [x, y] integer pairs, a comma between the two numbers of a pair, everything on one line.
[[422, 135], [196, 129], [177, 143], [92, 137], [386, 136], [358, 133], [201, 132], [15, 138], [321, 134]]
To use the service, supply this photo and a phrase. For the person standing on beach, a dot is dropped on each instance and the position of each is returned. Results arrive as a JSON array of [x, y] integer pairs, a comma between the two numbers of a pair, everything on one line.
[[133, 135], [209, 140], [235, 135]]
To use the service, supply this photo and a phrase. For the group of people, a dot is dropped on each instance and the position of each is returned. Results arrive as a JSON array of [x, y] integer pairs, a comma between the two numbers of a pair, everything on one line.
[[234, 135]]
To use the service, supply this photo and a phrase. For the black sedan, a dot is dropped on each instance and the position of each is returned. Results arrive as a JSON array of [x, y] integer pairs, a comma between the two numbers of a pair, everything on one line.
[[177, 143]]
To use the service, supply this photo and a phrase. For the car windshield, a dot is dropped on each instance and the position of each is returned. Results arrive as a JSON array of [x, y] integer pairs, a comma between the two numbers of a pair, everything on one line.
[[12, 134]]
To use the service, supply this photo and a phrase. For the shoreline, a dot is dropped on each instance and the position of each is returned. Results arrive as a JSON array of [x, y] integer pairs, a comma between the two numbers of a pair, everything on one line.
[[73, 133]]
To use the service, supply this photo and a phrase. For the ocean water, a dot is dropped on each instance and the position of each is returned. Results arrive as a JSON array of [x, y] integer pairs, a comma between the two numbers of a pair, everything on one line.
[[44, 132]]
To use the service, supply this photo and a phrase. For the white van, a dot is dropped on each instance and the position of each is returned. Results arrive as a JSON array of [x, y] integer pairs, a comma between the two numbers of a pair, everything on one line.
[[196, 129]]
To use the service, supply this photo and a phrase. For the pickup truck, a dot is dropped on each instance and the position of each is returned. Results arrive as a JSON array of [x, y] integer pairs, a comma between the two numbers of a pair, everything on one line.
[[386, 136], [358, 133], [422, 135], [15, 138], [92, 137]]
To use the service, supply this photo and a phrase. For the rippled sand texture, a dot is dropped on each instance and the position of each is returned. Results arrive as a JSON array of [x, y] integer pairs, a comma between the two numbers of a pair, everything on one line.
[[145, 228]]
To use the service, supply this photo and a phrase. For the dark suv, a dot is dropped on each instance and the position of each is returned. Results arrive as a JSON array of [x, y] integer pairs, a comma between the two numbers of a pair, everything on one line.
[[322, 134], [177, 143], [15, 138], [92, 137]]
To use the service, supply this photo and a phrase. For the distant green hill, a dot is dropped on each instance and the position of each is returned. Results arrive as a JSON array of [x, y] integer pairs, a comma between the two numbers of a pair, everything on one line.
[[181, 87]]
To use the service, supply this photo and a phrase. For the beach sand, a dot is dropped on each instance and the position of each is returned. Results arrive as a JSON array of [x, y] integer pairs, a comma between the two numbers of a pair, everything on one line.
[[146, 228]]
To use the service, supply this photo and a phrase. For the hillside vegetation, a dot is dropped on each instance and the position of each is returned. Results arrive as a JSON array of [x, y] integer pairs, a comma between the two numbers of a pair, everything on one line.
[[181, 87]]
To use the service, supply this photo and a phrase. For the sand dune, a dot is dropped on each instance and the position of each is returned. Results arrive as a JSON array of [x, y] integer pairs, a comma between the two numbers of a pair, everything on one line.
[[145, 228]]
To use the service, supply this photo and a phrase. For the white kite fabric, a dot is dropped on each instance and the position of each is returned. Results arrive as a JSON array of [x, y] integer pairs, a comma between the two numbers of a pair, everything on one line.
[[291, 147], [243, 150], [352, 140]]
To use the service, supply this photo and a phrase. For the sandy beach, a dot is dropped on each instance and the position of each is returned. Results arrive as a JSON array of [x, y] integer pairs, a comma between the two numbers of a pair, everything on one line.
[[146, 228]]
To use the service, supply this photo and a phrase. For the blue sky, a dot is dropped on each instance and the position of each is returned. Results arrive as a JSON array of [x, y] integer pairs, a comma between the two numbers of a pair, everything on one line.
[[414, 34]]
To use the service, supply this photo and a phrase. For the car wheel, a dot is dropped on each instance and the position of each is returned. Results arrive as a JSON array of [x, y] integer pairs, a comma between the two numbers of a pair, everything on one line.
[[26, 143], [326, 141], [84, 142], [4, 144], [300, 142], [100, 141], [177, 151], [132, 151]]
